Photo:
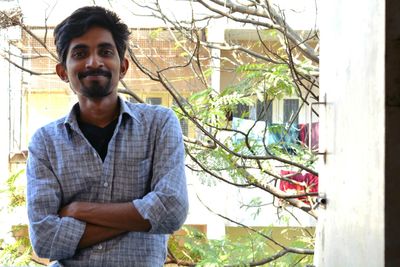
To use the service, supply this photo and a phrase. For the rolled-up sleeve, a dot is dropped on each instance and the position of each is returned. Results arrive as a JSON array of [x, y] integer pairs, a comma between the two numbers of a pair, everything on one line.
[[166, 205], [51, 236]]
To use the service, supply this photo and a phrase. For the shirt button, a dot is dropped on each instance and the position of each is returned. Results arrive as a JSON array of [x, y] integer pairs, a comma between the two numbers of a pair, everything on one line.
[[105, 184], [99, 246]]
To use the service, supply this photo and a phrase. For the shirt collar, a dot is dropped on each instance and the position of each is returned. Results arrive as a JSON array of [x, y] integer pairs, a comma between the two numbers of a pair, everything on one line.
[[72, 120], [128, 109]]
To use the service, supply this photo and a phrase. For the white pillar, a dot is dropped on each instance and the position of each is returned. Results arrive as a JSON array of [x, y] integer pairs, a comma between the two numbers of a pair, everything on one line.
[[216, 34], [216, 225], [350, 230], [4, 107]]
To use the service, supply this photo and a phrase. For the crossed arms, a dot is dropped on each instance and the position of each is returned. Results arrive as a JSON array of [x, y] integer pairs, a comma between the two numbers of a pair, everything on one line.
[[105, 220]]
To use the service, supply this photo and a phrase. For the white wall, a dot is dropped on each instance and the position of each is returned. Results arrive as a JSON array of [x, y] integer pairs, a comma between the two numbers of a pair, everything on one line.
[[4, 110], [10, 78], [350, 231]]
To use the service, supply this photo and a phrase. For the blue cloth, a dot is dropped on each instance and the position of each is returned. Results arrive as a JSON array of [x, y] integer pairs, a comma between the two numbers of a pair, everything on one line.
[[278, 134], [144, 164]]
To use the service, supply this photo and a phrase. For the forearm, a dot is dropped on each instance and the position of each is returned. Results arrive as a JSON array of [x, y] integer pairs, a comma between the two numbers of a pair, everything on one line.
[[55, 238], [95, 234], [120, 216]]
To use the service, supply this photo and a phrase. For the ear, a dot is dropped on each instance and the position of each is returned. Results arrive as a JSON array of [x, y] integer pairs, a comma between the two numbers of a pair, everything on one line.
[[124, 68], [62, 72]]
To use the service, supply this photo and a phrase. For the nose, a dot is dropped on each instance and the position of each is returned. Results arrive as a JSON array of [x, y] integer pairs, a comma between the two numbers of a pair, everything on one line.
[[94, 62]]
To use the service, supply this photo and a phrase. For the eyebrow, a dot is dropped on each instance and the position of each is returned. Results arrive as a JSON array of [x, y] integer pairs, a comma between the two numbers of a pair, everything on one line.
[[79, 46], [106, 45], [101, 45]]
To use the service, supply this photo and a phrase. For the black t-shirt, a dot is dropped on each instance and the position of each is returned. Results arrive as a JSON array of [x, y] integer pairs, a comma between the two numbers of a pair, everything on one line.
[[98, 137]]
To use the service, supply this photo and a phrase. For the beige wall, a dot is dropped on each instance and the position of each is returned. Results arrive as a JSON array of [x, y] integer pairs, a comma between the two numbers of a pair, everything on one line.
[[45, 107]]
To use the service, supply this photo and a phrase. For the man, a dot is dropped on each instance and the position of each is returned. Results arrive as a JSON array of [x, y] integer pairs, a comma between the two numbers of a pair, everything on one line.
[[106, 183]]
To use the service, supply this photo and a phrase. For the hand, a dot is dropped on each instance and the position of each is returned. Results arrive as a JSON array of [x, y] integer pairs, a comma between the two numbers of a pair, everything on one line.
[[70, 210], [122, 216]]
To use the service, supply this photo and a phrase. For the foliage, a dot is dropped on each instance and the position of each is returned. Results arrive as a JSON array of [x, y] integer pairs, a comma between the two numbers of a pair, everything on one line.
[[18, 251], [267, 81], [15, 189], [237, 251]]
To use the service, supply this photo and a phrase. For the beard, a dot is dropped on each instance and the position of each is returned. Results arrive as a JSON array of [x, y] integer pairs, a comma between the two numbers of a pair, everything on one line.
[[97, 90]]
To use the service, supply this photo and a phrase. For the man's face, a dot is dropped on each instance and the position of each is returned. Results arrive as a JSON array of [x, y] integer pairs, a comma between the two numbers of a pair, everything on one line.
[[93, 67]]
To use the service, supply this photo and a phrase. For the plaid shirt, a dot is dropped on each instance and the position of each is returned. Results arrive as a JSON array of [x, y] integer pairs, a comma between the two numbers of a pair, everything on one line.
[[144, 164]]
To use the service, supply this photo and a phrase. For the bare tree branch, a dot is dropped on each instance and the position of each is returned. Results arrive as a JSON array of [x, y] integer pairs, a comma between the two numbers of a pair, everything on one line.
[[25, 69]]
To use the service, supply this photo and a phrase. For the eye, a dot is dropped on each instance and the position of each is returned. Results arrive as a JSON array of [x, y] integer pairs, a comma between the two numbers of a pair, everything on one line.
[[77, 54], [107, 52]]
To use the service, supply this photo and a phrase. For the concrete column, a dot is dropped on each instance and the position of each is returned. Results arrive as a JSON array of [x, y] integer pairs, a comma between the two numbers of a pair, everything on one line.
[[350, 229], [216, 30], [216, 34], [4, 122], [4, 107]]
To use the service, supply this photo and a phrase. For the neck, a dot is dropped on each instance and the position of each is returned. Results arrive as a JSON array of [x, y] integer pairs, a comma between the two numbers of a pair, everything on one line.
[[99, 112]]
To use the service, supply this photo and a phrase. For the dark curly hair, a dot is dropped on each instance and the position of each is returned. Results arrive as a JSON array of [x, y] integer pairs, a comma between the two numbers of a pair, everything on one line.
[[81, 20]]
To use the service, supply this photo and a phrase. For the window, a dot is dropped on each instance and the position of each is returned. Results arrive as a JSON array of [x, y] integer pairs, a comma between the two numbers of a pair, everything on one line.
[[154, 100], [183, 122], [241, 111], [290, 108], [184, 127], [131, 99], [264, 111]]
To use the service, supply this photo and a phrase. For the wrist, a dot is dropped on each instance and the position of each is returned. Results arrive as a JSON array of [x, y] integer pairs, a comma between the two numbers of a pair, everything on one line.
[[73, 210], [81, 210]]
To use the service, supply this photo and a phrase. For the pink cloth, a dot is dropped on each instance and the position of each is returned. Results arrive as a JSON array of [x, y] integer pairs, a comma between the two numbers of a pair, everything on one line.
[[310, 181], [303, 134]]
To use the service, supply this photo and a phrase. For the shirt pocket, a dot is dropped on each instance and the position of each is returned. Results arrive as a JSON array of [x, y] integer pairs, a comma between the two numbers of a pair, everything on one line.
[[132, 180], [78, 184]]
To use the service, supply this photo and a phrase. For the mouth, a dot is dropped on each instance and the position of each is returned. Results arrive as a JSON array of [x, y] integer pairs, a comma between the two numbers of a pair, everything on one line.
[[94, 74]]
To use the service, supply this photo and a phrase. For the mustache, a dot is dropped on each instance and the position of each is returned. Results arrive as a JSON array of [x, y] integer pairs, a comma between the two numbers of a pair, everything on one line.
[[98, 72]]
